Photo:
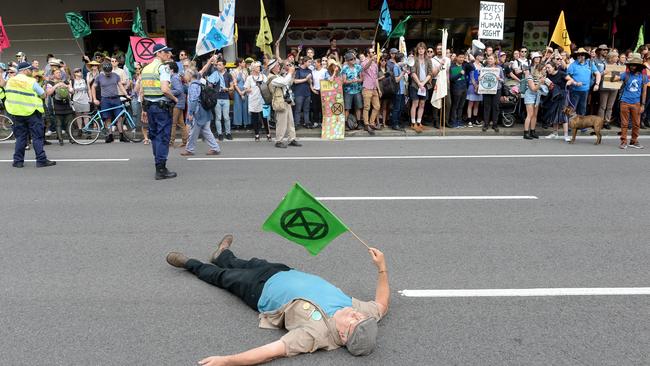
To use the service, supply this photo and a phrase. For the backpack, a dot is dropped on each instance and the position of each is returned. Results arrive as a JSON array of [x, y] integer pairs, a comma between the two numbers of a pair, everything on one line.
[[277, 100], [208, 97], [388, 85], [523, 85], [265, 90]]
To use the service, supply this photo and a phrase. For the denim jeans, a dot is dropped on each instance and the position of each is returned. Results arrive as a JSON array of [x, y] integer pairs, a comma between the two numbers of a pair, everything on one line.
[[303, 106], [204, 130], [579, 101], [398, 104], [222, 109]]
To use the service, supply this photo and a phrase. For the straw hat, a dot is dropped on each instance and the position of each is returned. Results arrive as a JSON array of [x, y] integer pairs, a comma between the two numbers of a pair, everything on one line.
[[331, 62], [93, 63], [635, 59], [582, 51]]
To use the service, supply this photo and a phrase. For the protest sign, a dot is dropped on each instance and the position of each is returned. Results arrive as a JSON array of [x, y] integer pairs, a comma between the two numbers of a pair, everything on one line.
[[488, 80], [143, 48], [491, 20], [611, 71], [331, 93]]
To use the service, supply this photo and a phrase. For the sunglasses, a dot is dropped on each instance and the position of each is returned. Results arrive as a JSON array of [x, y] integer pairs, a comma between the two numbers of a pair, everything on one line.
[[524, 51], [430, 51]]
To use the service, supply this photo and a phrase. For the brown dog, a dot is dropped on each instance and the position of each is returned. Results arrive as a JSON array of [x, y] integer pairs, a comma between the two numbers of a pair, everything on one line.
[[577, 122]]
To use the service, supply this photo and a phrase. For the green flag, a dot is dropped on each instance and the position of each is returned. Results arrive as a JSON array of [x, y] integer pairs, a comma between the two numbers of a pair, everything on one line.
[[640, 42], [400, 30], [77, 24], [137, 27], [302, 219]]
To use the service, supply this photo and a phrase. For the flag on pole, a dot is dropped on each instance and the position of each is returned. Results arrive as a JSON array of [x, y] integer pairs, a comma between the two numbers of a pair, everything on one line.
[[138, 28], [614, 29], [640, 42], [302, 219], [400, 29], [402, 45], [385, 21], [265, 36], [560, 35], [236, 35], [378, 53], [225, 25], [77, 24], [4, 39], [440, 89]]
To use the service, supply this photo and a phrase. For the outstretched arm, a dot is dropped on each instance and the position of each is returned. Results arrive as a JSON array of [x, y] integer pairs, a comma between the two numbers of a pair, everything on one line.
[[382, 294], [253, 356]]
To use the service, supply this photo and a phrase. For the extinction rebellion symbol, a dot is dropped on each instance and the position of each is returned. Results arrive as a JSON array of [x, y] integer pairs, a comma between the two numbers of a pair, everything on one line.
[[144, 48], [304, 223]]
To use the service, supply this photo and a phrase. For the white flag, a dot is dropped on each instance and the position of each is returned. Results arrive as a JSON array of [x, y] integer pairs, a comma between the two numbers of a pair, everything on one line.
[[440, 90], [225, 25]]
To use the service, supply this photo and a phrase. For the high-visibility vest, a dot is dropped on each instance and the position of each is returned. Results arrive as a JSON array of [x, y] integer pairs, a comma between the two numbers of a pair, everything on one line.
[[22, 100], [151, 80]]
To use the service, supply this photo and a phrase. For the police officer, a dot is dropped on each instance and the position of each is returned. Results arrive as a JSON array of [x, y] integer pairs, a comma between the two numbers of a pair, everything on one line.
[[25, 105], [158, 104]]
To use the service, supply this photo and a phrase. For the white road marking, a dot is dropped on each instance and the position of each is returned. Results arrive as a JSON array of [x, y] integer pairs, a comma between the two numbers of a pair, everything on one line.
[[76, 160], [425, 198], [423, 157], [422, 138], [524, 292]]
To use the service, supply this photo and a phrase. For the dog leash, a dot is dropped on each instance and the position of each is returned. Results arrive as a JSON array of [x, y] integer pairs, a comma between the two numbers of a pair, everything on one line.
[[568, 97]]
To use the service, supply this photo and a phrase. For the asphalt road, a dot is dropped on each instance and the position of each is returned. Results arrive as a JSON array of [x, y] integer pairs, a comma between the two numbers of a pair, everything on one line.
[[83, 280]]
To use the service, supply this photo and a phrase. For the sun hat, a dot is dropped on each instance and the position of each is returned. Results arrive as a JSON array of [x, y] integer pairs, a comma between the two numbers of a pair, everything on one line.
[[272, 63], [603, 47], [635, 59], [582, 51], [362, 341], [332, 61], [535, 55], [249, 60], [93, 63]]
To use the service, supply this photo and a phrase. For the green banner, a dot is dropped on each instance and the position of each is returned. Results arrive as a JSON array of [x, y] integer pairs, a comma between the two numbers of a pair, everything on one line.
[[400, 30], [302, 219], [137, 28], [77, 24]]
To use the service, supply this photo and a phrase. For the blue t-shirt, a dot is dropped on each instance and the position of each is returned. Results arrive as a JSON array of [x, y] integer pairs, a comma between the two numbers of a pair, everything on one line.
[[284, 287], [302, 89], [397, 71], [582, 73], [352, 73], [633, 88]]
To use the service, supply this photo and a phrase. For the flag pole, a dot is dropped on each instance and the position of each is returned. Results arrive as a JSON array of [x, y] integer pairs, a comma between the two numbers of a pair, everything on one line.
[[78, 45], [358, 238]]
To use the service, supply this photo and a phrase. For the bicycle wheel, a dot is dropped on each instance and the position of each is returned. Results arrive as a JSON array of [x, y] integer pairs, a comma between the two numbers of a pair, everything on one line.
[[132, 132], [6, 127], [83, 130]]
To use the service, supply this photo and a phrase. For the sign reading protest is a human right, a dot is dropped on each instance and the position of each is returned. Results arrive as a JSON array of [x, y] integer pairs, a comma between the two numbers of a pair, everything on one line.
[[491, 20]]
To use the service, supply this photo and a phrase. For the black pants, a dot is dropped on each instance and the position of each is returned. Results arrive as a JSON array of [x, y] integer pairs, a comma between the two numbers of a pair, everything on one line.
[[258, 121], [491, 108], [316, 108], [242, 278], [457, 104]]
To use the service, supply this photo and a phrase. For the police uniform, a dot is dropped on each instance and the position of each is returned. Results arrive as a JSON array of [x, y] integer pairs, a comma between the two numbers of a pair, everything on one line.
[[159, 112], [25, 106]]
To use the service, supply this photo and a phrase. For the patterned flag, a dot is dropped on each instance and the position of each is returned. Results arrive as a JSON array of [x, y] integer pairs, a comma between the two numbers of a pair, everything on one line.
[[4, 39], [225, 24], [77, 24], [301, 218], [137, 28], [265, 36], [384, 18]]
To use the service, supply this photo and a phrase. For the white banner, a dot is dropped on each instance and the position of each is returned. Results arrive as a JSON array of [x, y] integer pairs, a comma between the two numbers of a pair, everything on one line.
[[491, 20], [488, 80], [225, 23]]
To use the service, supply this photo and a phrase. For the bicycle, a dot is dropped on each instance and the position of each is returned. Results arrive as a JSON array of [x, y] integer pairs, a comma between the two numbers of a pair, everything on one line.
[[86, 129], [6, 125]]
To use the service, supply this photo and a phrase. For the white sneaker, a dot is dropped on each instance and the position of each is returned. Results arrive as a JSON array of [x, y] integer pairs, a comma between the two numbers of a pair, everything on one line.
[[553, 135], [469, 124], [567, 139], [637, 146], [48, 133]]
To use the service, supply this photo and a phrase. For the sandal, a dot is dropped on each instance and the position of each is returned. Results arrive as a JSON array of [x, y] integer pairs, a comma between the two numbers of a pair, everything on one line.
[[257, 138], [268, 137], [146, 141]]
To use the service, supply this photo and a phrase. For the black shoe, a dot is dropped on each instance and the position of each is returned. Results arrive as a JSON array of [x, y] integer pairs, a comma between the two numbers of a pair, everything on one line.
[[533, 134], [607, 126], [257, 138], [228, 136], [123, 139], [307, 127], [45, 142], [295, 143], [220, 137], [397, 128], [18, 164], [527, 136], [60, 142], [46, 163], [495, 128], [163, 173], [484, 129], [370, 131], [109, 139], [280, 144]]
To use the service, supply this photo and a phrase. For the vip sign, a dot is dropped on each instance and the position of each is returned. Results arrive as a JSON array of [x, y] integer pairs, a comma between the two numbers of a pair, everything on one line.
[[491, 21], [111, 20]]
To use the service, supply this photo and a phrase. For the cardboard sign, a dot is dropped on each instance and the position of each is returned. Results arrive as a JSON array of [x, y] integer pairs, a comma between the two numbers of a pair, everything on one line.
[[331, 93], [488, 80], [491, 20], [612, 71]]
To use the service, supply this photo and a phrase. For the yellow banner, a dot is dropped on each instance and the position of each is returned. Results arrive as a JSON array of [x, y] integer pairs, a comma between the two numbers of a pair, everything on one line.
[[560, 35]]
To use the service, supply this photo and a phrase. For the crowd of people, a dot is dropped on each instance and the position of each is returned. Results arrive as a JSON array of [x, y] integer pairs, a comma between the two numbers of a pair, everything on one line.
[[390, 90]]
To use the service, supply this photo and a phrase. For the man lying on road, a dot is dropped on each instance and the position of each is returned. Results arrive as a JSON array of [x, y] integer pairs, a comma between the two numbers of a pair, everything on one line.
[[317, 314]]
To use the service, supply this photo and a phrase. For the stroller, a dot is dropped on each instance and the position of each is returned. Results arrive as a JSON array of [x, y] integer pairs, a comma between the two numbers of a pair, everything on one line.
[[510, 105]]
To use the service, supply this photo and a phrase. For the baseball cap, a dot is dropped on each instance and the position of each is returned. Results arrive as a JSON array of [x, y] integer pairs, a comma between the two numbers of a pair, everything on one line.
[[158, 47], [25, 66], [393, 50], [362, 341], [349, 56]]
